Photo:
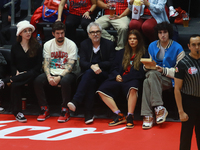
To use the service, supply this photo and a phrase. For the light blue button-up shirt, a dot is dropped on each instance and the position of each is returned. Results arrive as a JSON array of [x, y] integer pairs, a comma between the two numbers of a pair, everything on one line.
[[157, 9]]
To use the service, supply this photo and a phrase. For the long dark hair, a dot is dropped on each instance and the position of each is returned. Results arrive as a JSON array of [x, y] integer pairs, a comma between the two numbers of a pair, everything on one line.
[[140, 51], [33, 45]]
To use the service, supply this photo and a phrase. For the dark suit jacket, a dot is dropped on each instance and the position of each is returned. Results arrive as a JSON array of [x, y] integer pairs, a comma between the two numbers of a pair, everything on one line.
[[107, 52]]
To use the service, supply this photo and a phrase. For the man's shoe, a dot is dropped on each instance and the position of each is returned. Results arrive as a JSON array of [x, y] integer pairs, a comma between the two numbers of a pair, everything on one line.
[[2, 85], [20, 117], [129, 120], [64, 116], [147, 122], [1, 109], [120, 118], [44, 114], [161, 114], [72, 105], [89, 118]]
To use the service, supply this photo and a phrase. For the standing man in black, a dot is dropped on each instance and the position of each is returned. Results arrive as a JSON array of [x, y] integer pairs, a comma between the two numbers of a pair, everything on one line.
[[187, 93], [96, 55]]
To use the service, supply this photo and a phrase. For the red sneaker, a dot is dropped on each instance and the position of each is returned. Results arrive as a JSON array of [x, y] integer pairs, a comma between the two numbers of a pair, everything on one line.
[[64, 116], [44, 114]]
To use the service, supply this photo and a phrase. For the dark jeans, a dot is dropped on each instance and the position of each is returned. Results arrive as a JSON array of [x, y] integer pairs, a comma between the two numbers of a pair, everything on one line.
[[87, 88], [16, 89], [73, 21], [191, 107], [66, 83]]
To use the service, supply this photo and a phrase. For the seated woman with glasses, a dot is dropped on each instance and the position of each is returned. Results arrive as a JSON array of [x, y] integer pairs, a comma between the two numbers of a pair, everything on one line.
[[126, 76], [26, 62]]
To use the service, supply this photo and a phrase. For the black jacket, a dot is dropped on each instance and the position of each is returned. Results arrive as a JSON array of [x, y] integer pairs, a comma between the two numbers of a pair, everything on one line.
[[107, 53], [118, 69]]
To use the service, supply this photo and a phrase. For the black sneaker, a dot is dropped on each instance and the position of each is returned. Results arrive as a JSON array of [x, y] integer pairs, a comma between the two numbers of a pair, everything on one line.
[[129, 120], [89, 118], [20, 117], [72, 105], [120, 118]]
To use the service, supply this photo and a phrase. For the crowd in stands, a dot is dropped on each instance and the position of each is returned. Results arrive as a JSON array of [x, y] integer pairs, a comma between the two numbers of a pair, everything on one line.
[[109, 66]]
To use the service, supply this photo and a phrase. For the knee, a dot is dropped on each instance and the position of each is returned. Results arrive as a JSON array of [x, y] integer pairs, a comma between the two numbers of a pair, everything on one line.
[[134, 25], [38, 81], [152, 74], [89, 72], [123, 27]]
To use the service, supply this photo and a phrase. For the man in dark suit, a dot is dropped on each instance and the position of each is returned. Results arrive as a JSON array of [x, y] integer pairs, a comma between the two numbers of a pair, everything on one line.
[[96, 55]]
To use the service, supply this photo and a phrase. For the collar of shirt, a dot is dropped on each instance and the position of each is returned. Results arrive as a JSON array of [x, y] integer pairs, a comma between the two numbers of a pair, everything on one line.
[[96, 49], [169, 44]]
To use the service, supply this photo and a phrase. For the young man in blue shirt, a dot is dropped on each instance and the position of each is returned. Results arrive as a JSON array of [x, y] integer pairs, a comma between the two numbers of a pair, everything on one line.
[[166, 53]]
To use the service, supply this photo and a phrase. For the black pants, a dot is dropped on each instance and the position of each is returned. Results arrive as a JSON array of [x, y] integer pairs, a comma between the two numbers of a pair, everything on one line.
[[73, 21], [66, 83], [191, 106], [87, 88], [16, 89]]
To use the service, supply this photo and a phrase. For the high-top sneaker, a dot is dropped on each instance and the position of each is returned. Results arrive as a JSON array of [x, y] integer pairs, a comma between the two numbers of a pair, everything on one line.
[[65, 115], [44, 114]]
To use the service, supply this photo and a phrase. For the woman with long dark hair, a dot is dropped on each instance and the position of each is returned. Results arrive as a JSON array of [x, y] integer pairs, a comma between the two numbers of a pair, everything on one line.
[[126, 77], [26, 62]]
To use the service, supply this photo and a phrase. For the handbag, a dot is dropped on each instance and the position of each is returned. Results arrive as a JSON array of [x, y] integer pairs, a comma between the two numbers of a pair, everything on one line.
[[49, 15], [179, 18]]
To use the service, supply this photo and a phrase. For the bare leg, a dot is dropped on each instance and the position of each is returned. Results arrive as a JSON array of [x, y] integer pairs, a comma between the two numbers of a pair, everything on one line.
[[109, 102], [132, 99]]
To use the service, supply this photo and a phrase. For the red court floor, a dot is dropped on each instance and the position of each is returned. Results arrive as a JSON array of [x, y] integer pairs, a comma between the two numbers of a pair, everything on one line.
[[75, 135]]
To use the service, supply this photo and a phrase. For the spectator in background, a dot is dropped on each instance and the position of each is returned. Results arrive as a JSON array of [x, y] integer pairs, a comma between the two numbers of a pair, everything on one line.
[[126, 77], [60, 66], [6, 19], [26, 62], [96, 56], [6, 11], [152, 14], [80, 13], [166, 53], [119, 24]]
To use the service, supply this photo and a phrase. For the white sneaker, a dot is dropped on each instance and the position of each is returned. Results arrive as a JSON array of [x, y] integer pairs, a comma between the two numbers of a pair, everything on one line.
[[147, 122], [161, 114], [172, 12], [71, 106], [2, 109], [1, 84]]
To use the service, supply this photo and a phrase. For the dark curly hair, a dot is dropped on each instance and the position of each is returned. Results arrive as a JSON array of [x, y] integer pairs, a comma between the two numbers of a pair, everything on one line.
[[164, 26]]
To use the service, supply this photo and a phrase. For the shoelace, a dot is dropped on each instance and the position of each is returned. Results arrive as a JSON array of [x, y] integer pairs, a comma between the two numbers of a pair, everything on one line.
[[63, 113], [20, 115], [147, 118], [158, 112]]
